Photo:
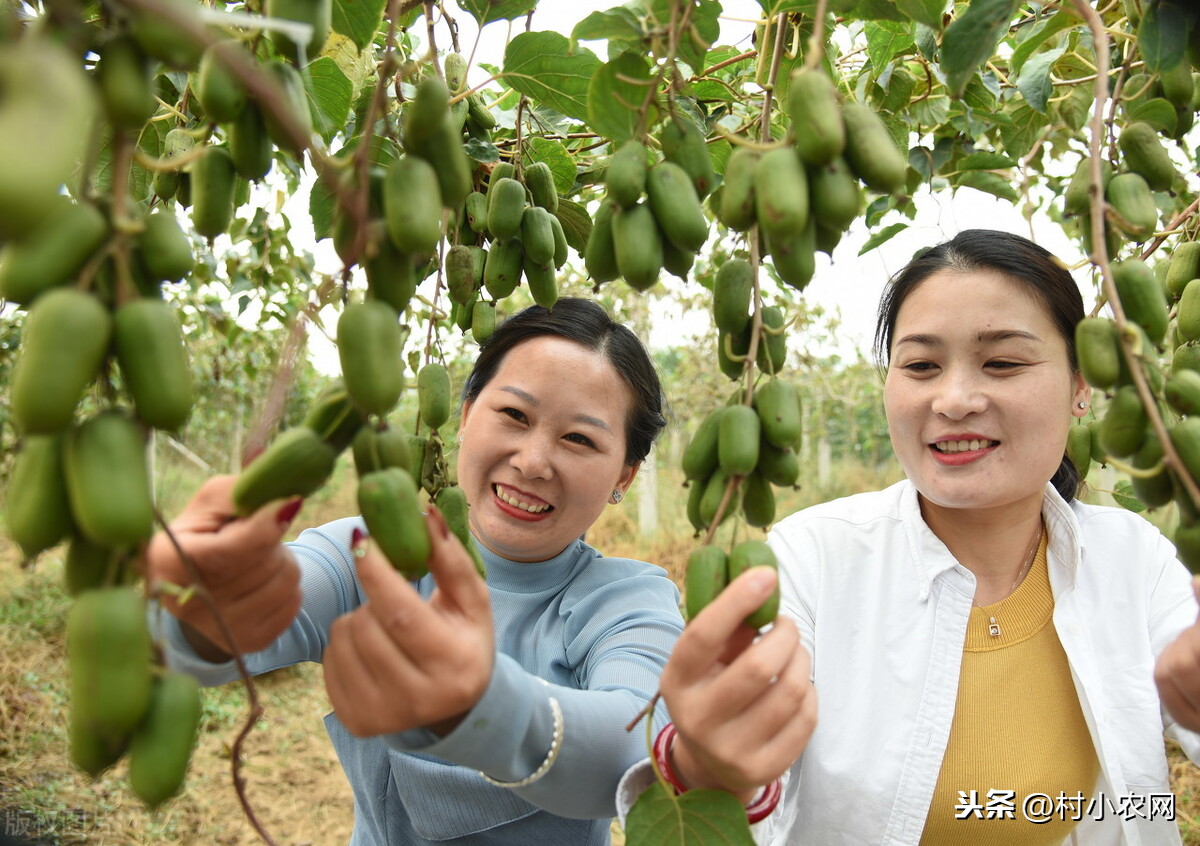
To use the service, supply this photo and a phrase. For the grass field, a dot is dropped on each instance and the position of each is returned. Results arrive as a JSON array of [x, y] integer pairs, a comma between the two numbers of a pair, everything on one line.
[[293, 780]]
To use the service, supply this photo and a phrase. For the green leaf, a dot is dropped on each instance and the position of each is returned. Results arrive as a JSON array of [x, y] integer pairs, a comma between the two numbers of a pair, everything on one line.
[[704, 30], [1162, 37], [984, 161], [882, 236], [885, 39], [927, 12], [358, 19], [989, 183], [971, 40], [556, 157], [619, 25], [576, 223], [1022, 129], [329, 95], [481, 151], [1048, 27], [1159, 113], [486, 11], [616, 93], [540, 65], [1126, 498], [1034, 81], [931, 111], [697, 818]]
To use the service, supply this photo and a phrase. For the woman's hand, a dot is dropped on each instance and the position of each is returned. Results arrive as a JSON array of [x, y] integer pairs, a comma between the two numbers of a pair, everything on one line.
[[1177, 674], [744, 708], [398, 662], [252, 578]]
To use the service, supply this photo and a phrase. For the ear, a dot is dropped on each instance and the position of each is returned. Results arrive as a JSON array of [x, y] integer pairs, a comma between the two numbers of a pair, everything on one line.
[[1082, 393], [466, 410], [628, 474]]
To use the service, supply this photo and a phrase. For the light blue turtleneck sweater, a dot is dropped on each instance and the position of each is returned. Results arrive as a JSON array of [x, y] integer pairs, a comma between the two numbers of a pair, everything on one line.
[[592, 632]]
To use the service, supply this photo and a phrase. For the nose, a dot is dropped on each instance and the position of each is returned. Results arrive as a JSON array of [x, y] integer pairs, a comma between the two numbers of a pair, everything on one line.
[[532, 457], [958, 394]]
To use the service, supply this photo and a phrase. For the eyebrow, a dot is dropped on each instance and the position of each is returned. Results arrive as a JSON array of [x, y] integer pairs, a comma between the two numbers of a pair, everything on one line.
[[988, 336], [532, 400]]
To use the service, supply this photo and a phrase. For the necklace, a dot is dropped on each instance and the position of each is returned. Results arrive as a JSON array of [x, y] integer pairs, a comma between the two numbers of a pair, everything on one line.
[[993, 626]]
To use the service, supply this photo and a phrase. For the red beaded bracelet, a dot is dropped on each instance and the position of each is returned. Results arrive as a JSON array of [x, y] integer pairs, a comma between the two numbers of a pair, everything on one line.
[[759, 809]]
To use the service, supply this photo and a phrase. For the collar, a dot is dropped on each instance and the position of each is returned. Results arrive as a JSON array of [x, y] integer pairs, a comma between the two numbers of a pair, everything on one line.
[[534, 576], [931, 559]]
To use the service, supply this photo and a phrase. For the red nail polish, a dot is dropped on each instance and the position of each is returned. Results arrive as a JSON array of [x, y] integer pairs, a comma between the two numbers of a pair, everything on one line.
[[357, 538], [288, 513]]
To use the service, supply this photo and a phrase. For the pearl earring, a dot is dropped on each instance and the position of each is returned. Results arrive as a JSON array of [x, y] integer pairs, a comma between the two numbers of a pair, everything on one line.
[[616, 496]]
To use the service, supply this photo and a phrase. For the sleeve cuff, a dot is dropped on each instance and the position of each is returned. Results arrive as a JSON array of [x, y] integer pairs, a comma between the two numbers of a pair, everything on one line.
[[505, 735]]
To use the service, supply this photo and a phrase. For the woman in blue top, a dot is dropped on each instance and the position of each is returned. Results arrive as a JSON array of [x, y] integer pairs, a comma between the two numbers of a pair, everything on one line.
[[467, 712]]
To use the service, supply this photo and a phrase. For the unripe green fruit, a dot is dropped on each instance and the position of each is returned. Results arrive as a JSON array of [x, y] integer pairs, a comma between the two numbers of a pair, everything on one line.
[[66, 338], [38, 511], [212, 179], [817, 127], [625, 179], [108, 480], [870, 151], [316, 13], [754, 553], [221, 94], [166, 250], [296, 463], [737, 440], [390, 507], [125, 83], [637, 245], [370, 344], [154, 361], [412, 205], [108, 651], [433, 395], [707, 575], [162, 745]]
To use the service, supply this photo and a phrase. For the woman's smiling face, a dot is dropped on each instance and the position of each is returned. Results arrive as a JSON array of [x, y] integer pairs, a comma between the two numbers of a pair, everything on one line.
[[979, 391], [543, 447]]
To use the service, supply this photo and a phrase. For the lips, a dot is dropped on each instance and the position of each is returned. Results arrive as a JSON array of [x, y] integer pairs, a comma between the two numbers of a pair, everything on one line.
[[520, 504]]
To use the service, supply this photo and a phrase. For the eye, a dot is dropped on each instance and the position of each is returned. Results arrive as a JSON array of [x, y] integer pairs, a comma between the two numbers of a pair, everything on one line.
[[1003, 365], [514, 413], [582, 440], [918, 367]]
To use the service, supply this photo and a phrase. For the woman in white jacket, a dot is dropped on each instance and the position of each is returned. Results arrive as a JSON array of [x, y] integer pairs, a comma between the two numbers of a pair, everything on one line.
[[996, 662]]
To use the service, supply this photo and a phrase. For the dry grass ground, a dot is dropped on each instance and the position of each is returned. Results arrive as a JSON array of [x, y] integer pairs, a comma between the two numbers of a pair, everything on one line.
[[294, 782]]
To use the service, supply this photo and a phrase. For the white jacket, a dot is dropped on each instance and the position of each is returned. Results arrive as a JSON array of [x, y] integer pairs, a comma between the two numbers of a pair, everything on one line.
[[883, 606]]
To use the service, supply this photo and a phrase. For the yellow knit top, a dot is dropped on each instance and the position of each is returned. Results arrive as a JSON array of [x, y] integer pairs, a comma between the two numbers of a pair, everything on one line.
[[1018, 727]]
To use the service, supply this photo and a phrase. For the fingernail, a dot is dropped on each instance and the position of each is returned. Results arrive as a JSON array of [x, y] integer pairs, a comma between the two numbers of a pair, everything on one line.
[[358, 542], [440, 520], [762, 579], [288, 513]]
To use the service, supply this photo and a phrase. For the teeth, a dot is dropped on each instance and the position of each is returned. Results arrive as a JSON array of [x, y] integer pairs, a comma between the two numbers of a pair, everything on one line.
[[516, 503], [962, 446]]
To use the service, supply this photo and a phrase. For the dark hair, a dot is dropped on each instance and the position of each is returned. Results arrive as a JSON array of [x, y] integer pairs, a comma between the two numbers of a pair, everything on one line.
[[586, 323], [1043, 274]]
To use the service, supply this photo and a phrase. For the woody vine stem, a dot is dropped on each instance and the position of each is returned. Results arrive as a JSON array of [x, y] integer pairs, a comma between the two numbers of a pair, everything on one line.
[[1100, 253]]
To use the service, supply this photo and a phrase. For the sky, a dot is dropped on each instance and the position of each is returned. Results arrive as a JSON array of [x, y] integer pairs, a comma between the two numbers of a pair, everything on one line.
[[848, 284]]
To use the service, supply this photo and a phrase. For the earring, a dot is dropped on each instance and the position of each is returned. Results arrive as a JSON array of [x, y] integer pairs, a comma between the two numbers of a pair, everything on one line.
[[616, 496], [460, 438], [1082, 405]]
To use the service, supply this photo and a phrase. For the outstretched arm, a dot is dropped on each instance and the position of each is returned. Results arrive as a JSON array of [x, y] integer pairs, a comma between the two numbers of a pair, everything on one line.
[[744, 707]]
